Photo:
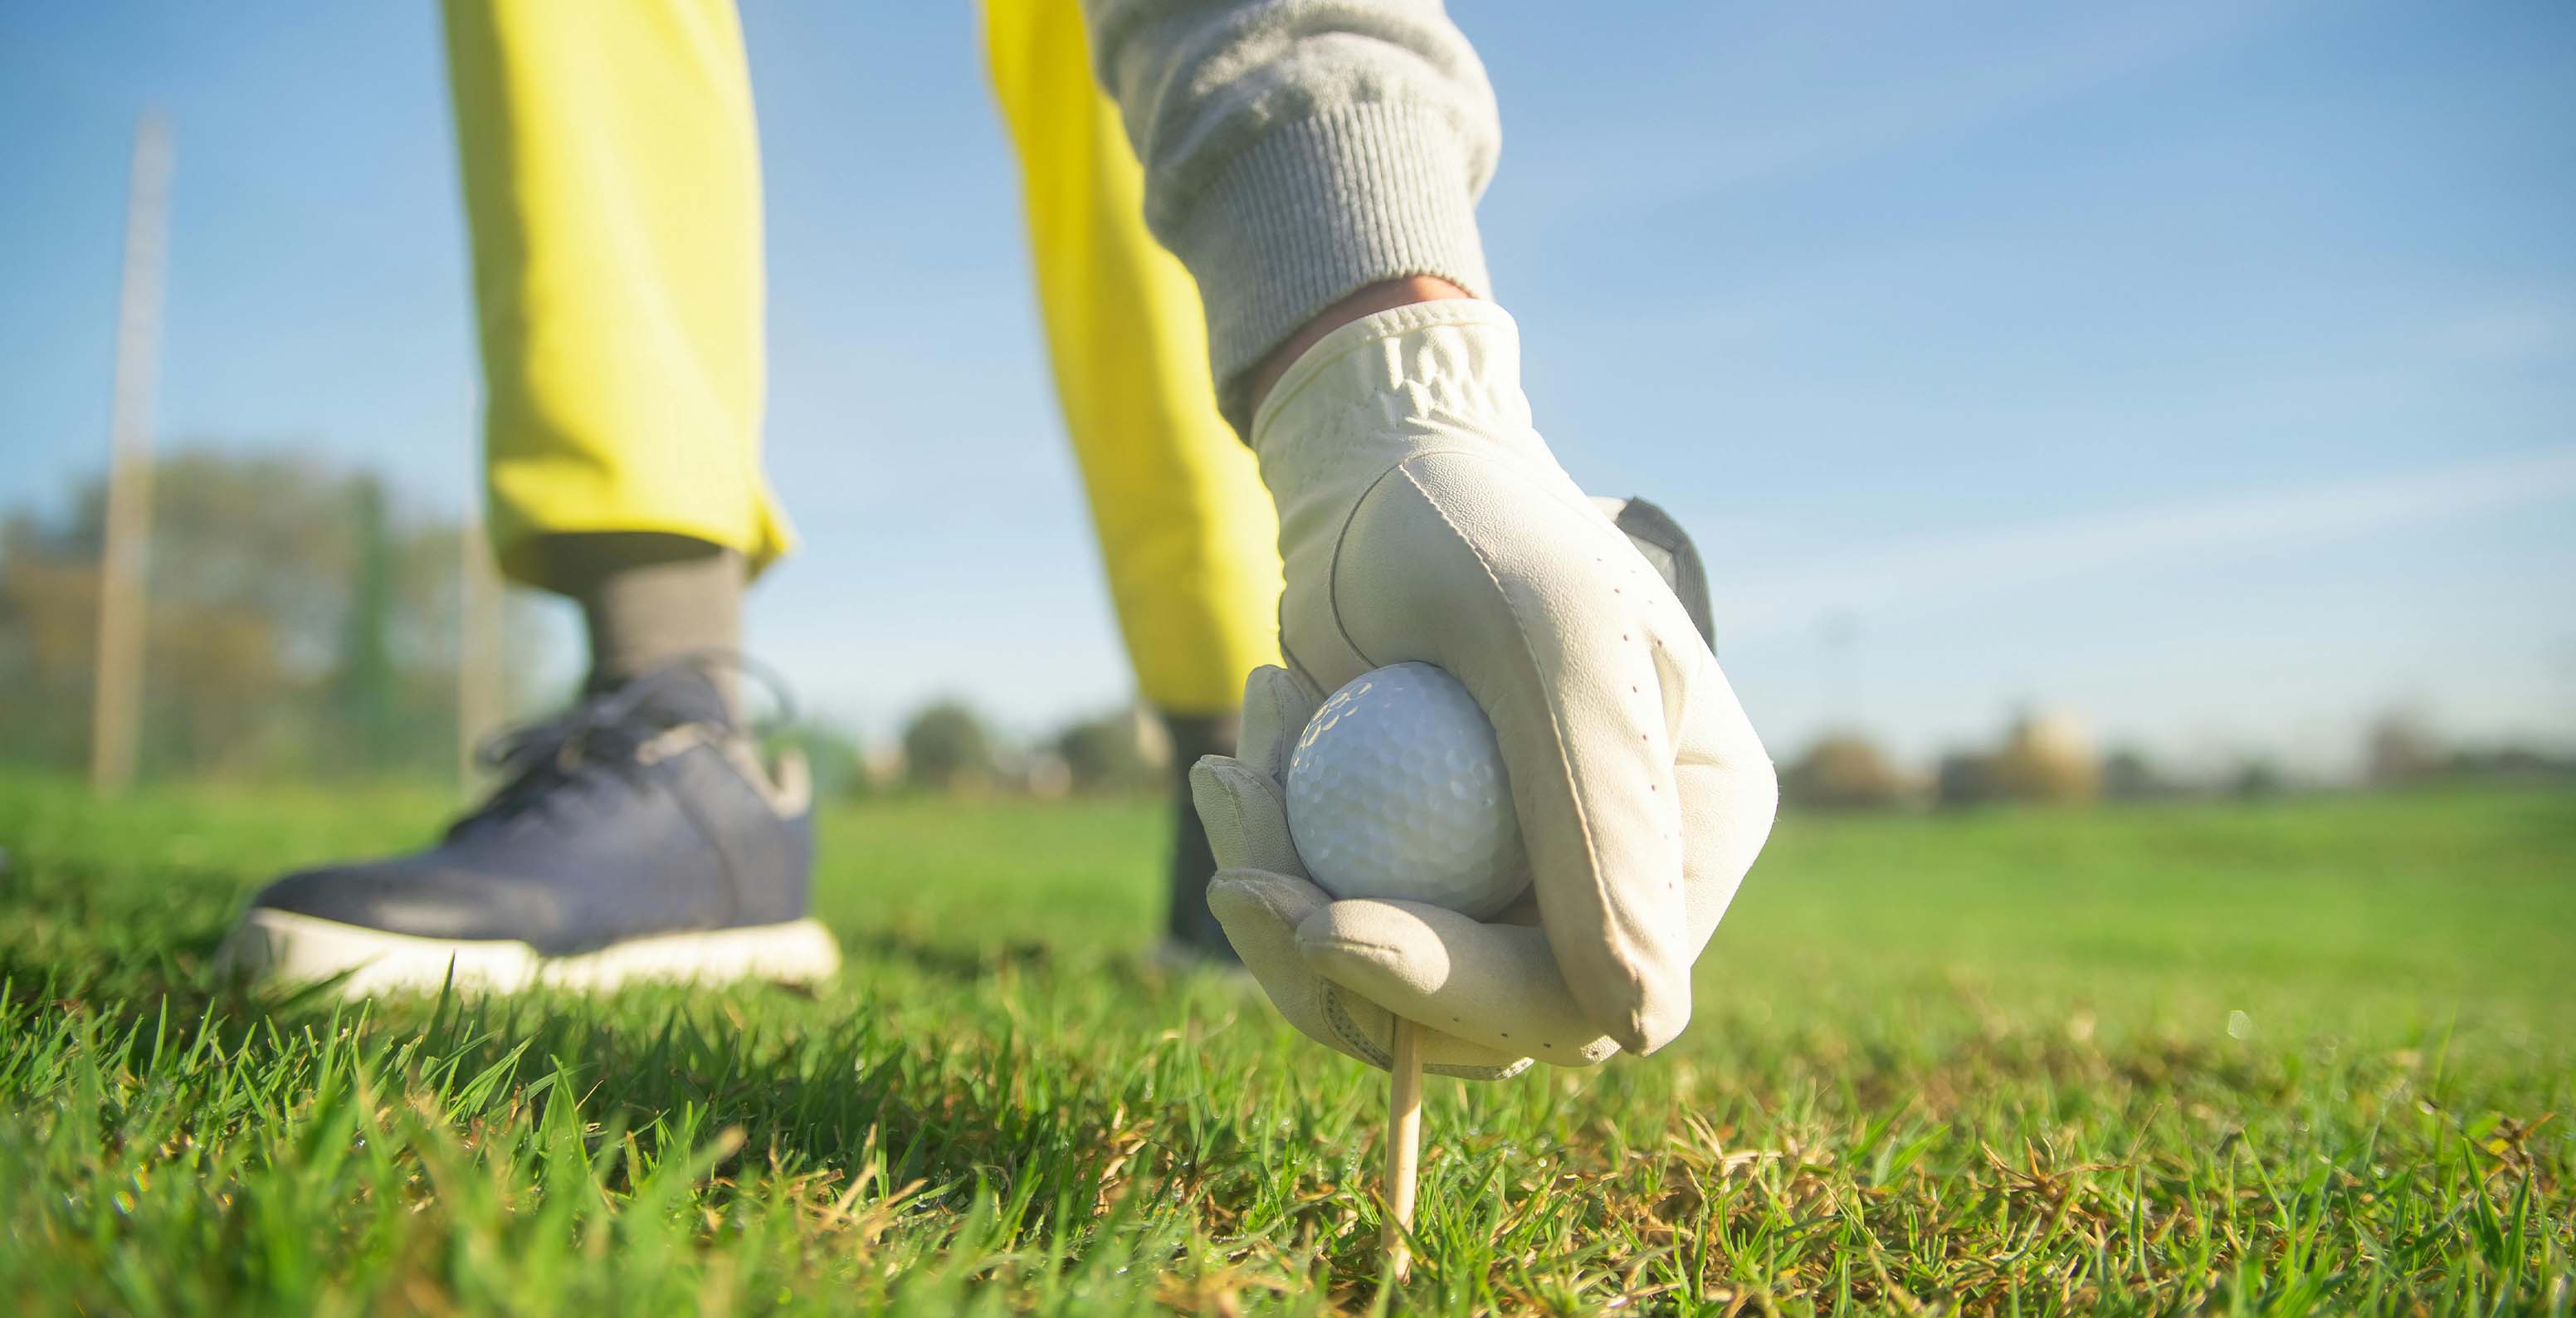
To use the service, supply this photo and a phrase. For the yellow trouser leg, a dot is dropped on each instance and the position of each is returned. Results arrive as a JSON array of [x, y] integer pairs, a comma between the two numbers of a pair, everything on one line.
[[1187, 532], [612, 185]]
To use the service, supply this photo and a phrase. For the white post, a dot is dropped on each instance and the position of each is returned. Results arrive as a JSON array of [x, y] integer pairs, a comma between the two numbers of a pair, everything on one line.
[[116, 720], [478, 644]]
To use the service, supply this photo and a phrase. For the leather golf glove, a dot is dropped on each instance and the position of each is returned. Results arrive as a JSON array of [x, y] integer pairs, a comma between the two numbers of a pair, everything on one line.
[[1423, 519]]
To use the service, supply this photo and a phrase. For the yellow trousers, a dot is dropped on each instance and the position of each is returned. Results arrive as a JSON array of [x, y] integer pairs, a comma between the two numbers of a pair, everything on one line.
[[612, 188]]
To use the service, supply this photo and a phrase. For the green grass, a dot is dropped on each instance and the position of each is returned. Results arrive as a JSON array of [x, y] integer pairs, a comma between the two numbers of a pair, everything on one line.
[[2316, 1056]]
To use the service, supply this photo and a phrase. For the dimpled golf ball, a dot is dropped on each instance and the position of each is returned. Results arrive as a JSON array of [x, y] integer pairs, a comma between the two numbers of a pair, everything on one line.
[[1397, 790]]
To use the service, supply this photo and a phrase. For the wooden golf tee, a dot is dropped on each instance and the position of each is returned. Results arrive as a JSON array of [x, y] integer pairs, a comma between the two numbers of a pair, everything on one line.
[[1403, 1147]]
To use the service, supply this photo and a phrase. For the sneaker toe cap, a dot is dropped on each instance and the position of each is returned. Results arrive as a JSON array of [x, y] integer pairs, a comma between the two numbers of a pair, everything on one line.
[[423, 901]]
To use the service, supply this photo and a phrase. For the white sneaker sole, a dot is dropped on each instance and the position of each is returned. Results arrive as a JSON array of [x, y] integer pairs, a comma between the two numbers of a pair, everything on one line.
[[282, 945]]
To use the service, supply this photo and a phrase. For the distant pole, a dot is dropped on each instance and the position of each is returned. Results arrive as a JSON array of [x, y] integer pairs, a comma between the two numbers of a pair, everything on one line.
[[478, 643], [116, 721]]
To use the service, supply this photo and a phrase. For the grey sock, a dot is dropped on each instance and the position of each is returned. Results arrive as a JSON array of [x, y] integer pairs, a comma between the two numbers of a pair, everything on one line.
[[647, 598]]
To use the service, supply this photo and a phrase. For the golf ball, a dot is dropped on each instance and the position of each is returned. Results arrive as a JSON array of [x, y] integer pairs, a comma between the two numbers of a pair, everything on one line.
[[1397, 790]]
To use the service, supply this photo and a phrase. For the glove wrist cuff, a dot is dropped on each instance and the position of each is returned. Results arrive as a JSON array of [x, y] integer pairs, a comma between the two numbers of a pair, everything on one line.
[[1391, 384]]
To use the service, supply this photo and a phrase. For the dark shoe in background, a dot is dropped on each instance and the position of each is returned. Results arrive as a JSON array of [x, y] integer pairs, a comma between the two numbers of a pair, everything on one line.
[[1190, 933]]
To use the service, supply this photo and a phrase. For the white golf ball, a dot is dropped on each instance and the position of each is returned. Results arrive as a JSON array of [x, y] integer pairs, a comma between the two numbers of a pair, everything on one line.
[[1397, 790]]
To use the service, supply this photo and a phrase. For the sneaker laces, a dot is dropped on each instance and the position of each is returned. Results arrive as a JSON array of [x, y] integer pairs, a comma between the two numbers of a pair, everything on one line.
[[603, 733]]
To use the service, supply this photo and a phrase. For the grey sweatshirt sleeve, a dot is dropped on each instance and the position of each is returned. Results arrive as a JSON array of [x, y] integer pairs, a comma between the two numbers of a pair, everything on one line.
[[1296, 151]]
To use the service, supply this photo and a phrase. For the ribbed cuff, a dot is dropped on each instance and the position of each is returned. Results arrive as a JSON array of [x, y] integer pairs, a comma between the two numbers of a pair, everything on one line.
[[1316, 210]]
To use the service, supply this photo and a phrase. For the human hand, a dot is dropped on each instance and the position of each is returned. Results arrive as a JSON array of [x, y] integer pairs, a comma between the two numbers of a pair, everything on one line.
[[1423, 519]]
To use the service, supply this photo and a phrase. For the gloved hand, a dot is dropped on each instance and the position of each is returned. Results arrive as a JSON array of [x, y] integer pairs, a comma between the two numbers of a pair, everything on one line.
[[1422, 518]]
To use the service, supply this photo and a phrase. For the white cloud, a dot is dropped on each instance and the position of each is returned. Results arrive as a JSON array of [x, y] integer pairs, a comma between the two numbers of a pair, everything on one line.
[[1916, 578], [2508, 335]]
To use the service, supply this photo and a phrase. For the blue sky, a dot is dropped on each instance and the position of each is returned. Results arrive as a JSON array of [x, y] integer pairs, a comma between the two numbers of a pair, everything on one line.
[[2205, 369]]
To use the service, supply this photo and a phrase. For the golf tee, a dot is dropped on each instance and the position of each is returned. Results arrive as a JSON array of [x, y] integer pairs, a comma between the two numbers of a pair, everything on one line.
[[1403, 1147]]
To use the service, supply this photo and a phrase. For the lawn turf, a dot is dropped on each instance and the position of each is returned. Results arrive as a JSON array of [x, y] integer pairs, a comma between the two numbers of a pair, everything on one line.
[[2314, 1055]]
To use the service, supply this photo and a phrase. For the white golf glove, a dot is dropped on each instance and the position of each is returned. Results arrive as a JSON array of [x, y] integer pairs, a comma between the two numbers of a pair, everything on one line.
[[1423, 519]]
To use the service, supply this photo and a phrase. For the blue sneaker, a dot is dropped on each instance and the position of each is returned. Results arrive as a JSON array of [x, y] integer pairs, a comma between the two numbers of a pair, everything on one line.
[[639, 836]]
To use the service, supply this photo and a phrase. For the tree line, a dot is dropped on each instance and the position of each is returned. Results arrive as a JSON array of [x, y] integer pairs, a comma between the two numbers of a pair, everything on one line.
[[303, 623], [2047, 759], [299, 623]]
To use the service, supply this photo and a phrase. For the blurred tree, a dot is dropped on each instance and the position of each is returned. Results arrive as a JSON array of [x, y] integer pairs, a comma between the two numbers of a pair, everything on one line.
[[834, 758], [364, 681], [298, 624], [1965, 778], [2046, 759], [2402, 749], [946, 748], [48, 630], [1114, 753], [2128, 775], [2529, 763], [2043, 760], [1846, 771], [2257, 779], [1041, 773]]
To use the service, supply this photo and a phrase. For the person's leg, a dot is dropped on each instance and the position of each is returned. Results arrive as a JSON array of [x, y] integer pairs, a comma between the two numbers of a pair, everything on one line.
[[647, 599], [612, 185], [612, 189], [1186, 531]]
